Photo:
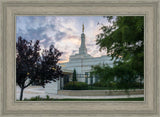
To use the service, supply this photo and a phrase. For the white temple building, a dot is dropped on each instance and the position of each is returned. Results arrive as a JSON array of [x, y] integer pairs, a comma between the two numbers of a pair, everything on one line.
[[82, 63]]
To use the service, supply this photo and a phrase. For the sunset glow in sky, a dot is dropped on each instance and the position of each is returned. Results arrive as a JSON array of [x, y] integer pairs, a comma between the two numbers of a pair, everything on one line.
[[64, 32]]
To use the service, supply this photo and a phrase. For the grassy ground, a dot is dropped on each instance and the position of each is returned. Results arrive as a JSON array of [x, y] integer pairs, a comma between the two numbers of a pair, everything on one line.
[[51, 99]]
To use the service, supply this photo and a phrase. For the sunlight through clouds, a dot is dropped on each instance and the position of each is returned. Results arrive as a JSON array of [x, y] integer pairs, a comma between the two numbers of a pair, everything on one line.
[[64, 32]]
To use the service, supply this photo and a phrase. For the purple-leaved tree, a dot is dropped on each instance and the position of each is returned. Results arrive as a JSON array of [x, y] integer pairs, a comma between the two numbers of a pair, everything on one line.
[[32, 68]]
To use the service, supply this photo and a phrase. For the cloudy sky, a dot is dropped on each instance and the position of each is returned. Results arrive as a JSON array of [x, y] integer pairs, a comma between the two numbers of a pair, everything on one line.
[[63, 32]]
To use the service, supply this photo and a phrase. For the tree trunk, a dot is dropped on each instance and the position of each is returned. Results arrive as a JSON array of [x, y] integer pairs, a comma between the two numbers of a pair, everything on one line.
[[21, 95]]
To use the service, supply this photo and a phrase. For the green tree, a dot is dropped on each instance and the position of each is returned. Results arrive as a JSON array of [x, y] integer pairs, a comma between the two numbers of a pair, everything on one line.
[[74, 75], [125, 74], [124, 42], [105, 74]]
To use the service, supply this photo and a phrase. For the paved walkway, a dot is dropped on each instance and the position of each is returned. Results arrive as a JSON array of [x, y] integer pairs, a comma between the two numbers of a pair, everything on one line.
[[34, 91]]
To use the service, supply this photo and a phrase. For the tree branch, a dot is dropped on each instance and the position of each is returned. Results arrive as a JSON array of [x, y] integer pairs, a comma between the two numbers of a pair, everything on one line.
[[28, 84]]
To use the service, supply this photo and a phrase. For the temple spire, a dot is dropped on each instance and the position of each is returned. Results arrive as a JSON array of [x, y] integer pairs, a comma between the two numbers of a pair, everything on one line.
[[83, 49], [83, 28]]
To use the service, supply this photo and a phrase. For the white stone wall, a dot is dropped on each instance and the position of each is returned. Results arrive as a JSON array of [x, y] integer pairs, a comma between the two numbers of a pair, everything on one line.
[[53, 87]]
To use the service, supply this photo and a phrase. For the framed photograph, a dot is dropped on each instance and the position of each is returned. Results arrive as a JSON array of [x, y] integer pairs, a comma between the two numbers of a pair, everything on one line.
[[69, 62], [79, 58]]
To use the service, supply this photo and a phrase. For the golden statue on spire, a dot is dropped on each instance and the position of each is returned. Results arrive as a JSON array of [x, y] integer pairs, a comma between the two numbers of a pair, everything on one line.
[[83, 28]]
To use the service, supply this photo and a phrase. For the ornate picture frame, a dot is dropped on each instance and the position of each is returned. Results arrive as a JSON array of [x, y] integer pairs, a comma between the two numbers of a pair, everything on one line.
[[10, 9]]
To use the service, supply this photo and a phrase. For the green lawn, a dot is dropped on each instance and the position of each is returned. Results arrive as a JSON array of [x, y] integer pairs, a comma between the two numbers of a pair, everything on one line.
[[51, 99]]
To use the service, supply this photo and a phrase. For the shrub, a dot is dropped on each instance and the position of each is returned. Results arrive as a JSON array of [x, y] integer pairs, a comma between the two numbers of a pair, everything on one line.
[[99, 84], [112, 85], [134, 85], [37, 98], [76, 86], [137, 85], [47, 97]]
